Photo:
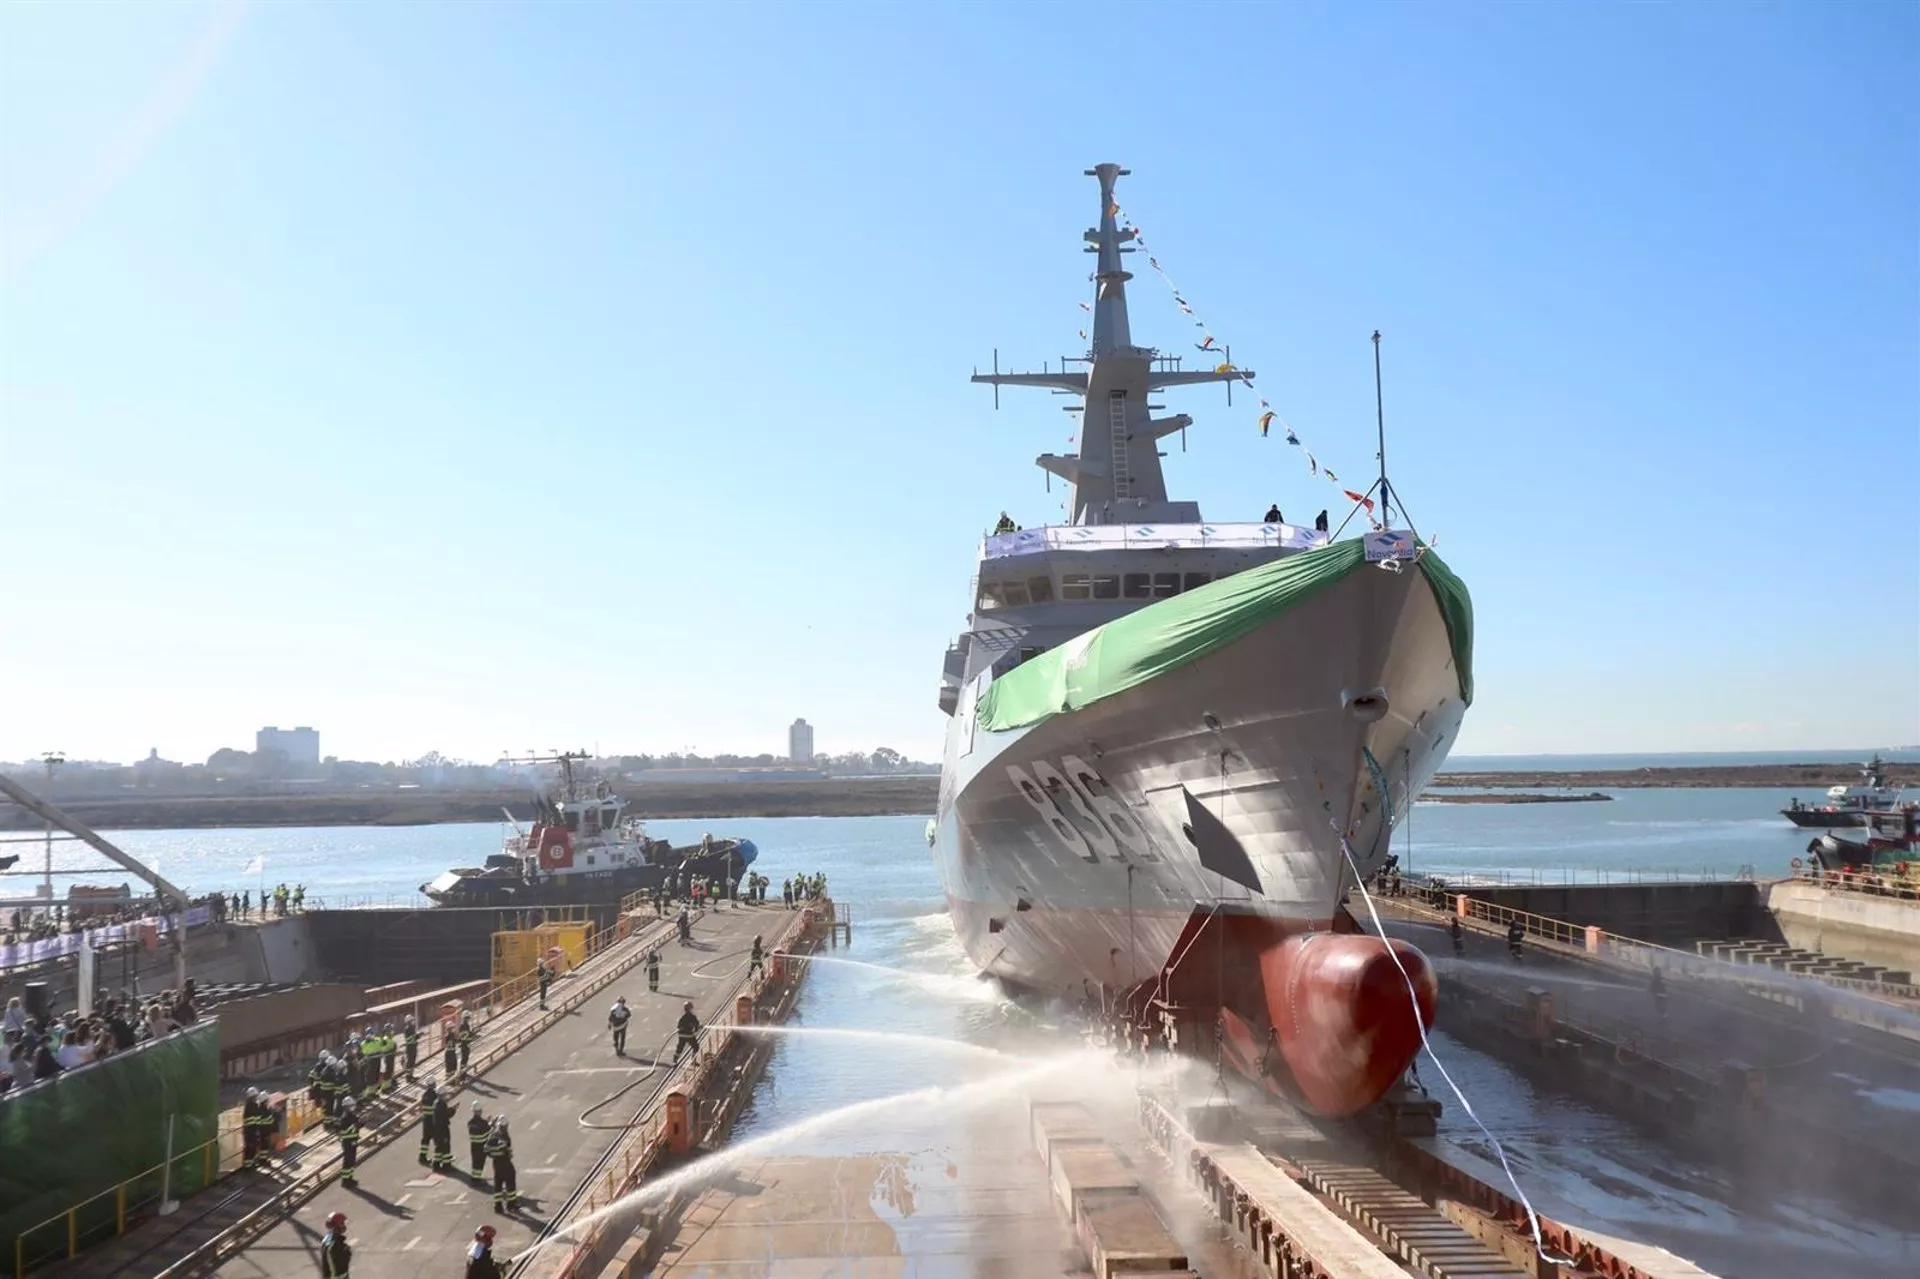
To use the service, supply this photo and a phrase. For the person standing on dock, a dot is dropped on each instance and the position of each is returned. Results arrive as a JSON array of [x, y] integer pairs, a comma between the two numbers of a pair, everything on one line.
[[546, 980], [250, 1129], [1459, 936], [428, 1096], [506, 1187], [317, 1091], [349, 1135], [758, 964], [653, 972], [410, 1034], [786, 893], [689, 1030], [466, 1037], [617, 1019], [480, 1262], [1516, 934], [442, 1134], [335, 1253], [389, 1050], [449, 1050], [477, 1129]]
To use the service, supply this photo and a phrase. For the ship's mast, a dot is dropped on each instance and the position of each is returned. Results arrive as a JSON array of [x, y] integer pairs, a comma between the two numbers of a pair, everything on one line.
[[1115, 474], [1111, 333]]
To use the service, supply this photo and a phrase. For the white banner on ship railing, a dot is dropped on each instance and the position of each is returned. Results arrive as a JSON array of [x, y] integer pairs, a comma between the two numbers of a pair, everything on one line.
[[1108, 537], [19, 954]]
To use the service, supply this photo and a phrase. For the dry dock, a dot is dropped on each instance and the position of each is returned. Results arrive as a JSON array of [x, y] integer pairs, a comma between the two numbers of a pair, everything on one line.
[[553, 1073], [1107, 1169]]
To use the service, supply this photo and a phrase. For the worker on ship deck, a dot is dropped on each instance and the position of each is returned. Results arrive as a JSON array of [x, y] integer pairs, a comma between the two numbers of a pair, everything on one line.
[[1006, 524], [1273, 514]]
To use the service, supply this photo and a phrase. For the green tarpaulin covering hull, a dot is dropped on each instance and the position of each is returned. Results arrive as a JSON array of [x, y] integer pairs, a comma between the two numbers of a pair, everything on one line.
[[87, 1130], [1131, 650]]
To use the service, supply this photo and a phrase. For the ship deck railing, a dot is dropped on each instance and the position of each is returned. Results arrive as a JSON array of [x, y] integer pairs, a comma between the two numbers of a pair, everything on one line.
[[1877, 883], [1117, 537]]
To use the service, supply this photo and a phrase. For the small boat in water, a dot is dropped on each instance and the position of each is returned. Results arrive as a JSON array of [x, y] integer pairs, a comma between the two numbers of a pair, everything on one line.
[[585, 848], [1848, 805], [1893, 840]]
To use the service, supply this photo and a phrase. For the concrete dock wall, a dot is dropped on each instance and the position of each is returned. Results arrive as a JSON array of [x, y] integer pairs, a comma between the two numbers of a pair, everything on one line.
[[1873, 930], [443, 945], [1672, 914], [275, 1014]]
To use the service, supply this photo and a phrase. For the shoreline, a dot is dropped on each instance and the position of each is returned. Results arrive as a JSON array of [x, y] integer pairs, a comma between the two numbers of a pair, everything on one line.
[[1518, 797], [914, 796]]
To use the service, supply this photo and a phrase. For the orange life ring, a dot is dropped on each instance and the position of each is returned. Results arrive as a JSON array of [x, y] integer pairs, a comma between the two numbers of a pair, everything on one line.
[[1797, 863]]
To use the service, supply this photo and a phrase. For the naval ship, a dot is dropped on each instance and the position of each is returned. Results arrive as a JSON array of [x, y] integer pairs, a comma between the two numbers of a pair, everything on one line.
[[1175, 745]]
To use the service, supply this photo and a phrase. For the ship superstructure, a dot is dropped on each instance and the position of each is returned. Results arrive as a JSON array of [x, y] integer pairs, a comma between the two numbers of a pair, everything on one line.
[[1174, 742]]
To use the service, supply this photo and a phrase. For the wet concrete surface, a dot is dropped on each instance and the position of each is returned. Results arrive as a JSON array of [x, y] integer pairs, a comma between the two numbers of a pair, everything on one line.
[[403, 1219]]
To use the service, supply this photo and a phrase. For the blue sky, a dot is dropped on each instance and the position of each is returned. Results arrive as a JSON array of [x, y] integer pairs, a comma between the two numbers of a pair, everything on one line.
[[470, 377]]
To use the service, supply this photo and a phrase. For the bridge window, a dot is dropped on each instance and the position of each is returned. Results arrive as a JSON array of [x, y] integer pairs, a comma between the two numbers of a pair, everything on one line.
[[1139, 586], [1002, 594], [1075, 586], [1106, 586], [1196, 580], [1165, 585], [1041, 588]]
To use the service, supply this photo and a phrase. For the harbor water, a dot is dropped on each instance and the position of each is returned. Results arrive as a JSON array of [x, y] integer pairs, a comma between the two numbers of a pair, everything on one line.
[[904, 982], [1653, 833]]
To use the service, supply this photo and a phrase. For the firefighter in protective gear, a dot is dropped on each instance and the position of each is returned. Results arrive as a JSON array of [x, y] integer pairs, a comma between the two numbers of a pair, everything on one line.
[[758, 964], [349, 1135], [389, 1049], [653, 972], [617, 1023], [477, 1129], [410, 1032], [506, 1187], [250, 1130], [467, 1034], [428, 1096], [442, 1134], [335, 1253], [317, 1083], [689, 1028], [480, 1260]]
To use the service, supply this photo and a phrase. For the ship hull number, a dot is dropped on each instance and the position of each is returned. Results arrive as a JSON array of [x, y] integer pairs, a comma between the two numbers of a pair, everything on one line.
[[1080, 810]]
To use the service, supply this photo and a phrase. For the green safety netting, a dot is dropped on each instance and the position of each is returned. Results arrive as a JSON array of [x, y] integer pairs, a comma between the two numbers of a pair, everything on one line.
[[1133, 649], [90, 1129]]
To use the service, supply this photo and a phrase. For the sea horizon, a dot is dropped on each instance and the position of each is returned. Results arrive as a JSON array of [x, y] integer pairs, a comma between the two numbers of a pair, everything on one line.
[[1606, 761]]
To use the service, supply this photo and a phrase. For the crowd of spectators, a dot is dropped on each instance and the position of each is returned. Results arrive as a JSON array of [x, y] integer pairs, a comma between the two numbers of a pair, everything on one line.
[[61, 918], [31, 1052]]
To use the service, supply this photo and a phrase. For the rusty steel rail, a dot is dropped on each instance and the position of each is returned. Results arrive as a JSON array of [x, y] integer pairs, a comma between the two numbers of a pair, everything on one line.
[[314, 1176]]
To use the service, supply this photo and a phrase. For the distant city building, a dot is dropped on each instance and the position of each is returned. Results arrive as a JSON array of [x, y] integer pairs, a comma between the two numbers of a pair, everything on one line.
[[153, 765], [800, 742], [300, 745]]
